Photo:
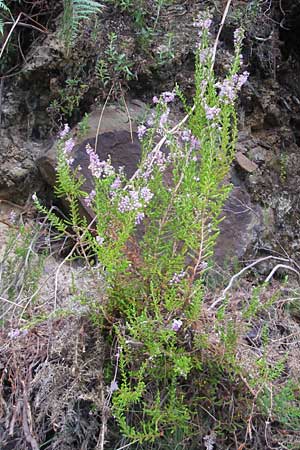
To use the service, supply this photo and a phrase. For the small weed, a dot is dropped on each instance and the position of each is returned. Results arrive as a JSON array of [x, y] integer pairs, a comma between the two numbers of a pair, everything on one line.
[[68, 100], [118, 61], [283, 167], [165, 53], [83, 126], [102, 72]]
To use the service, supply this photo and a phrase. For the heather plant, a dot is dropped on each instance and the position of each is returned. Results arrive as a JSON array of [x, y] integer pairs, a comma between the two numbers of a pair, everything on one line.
[[154, 236]]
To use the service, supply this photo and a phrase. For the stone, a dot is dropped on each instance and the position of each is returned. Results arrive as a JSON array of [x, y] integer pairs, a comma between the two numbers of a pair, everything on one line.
[[245, 163], [240, 227], [241, 221], [114, 120]]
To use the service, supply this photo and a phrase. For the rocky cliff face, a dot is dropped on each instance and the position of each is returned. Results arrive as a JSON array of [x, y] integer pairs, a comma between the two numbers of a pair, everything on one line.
[[51, 88]]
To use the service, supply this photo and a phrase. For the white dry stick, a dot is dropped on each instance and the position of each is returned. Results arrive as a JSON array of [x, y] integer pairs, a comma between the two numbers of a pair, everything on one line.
[[223, 296], [284, 266], [101, 117], [128, 115], [220, 31], [127, 445]]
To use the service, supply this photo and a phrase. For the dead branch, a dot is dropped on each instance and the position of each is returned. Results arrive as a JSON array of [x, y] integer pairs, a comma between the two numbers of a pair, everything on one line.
[[237, 275]]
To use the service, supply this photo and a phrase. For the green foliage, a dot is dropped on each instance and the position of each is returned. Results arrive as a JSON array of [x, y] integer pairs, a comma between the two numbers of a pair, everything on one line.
[[246, 15], [166, 52], [75, 11], [283, 405], [114, 67], [21, 268], [3, 9], [102, 72], [118, 60], [83, 126], [155, 285], [68, 100]]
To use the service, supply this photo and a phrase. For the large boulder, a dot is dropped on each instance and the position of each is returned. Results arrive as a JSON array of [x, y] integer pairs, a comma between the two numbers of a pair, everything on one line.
[[118, 138]]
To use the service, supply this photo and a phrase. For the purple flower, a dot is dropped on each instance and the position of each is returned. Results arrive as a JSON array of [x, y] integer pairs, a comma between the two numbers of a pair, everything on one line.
[[116, 184], [168, 97], [12, 217], [186, 135], [139, 217], [227, 90], [242, 79], [14, 333], [64, 132], [164, 118], [141, 131], [203, 86], [159, 159], [177, 277], [195, 144], [203, 22], [150, 120], [211, 112], [99, 240], [89, 199], [69, 145], [238, 37], [135, 200], [146, 194], [176, 324], [230, 86], [204, 55], [124, 204], [155, 100], [98, 168], [207, 23]]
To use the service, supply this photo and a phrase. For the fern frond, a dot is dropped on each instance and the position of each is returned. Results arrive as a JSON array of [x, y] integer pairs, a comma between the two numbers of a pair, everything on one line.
[[84, 9], [74, 12], [5, 8]]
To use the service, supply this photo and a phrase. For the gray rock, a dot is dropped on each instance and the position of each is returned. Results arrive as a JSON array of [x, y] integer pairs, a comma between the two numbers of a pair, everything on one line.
[[245, 163], [241, 221], [114, 119]]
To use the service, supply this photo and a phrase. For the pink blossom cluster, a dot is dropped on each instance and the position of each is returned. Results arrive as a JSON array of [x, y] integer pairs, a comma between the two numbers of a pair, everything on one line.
[[238, 37], [155, 159], [205, 55], [68, 144], [177, 277], [67, 149], [63, 133], [187, 136], [211, 112], [141, 131], [203, 23], [135, 200], [176, 324], [166, 97], [229, 88], [99, 169], [90, 198]]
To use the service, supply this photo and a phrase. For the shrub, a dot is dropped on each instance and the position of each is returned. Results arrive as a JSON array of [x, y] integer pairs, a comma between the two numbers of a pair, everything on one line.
[[163, 366]]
